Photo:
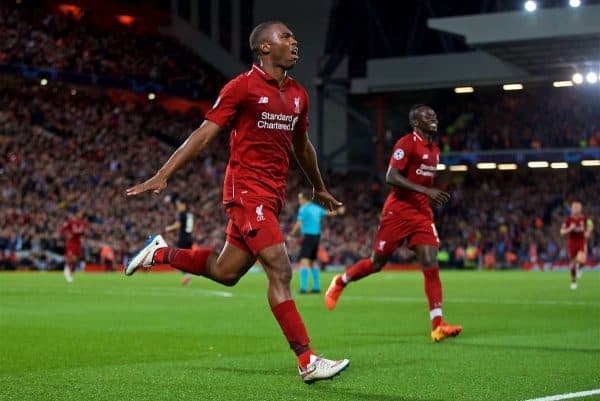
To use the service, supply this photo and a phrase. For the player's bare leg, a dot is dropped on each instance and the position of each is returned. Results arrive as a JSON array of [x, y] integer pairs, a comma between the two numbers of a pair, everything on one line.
[[359, 270], [427, 257], [226, 268], [276, 263]]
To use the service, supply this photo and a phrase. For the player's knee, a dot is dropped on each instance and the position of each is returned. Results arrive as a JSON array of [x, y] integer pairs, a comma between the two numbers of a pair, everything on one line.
[[228, 279], [283, 277], [428, 261]]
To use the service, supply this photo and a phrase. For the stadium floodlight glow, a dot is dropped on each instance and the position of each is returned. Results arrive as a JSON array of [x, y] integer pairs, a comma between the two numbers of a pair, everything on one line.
[[73, 92], [591, 77], [539, 164], [590, 163], [559, 165], [486, 166], [574, 3], [577, 78], [151, 96], [459, 167], [464, 89], [441, 167], [507, 166], [512, 87], [562, 84], [530, 6], [44, 82]]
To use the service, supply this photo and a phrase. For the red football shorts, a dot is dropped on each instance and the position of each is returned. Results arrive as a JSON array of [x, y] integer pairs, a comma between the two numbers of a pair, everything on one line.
[[253, 224], [574, 247], [73, 252], [395, 228]]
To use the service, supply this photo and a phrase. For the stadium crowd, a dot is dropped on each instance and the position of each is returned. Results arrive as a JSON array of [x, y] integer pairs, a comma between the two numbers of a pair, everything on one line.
[[535, 118], [39, 38], [62, 153]]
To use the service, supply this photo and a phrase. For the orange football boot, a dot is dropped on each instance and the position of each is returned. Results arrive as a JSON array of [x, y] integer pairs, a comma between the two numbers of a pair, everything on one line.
[[333, 293], [444, 330]]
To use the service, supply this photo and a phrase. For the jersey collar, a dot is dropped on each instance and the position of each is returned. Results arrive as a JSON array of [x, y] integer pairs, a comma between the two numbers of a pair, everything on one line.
[[426, 143], [262, 73]]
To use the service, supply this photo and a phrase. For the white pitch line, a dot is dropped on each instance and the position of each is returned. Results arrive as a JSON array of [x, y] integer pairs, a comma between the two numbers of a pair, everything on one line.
[[567, 396]]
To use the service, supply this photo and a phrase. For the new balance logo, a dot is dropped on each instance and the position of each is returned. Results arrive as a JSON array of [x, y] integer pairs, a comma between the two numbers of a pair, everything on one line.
[[259, 213], [263, 100], [382, 245], [425, 157]]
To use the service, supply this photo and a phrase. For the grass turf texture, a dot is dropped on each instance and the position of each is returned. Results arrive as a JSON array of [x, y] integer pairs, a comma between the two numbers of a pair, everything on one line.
[[109, 337]]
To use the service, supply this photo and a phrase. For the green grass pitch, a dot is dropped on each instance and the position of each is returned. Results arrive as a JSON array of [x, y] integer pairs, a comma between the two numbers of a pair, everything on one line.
[[111, 337]]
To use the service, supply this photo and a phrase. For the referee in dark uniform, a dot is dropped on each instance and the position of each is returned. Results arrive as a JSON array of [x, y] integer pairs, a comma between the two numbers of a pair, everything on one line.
[[185, 225], [309, 224]]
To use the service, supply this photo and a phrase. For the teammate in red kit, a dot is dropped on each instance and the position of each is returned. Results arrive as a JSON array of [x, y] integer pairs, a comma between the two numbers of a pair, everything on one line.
[[578, 229], [407, 217], [267, 115], [73, 230]]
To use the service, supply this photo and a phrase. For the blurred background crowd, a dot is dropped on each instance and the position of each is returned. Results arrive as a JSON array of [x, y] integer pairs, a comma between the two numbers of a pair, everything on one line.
[[68, 149], [64, 152]]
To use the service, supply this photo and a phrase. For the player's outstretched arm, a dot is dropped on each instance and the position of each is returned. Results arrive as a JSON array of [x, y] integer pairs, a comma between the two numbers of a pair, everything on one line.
[[307, 159], [565, 230], [395, 178], [196, 142]]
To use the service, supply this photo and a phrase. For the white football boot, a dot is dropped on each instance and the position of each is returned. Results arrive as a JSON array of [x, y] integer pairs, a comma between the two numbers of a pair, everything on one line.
[[321, 369], [144, 257]]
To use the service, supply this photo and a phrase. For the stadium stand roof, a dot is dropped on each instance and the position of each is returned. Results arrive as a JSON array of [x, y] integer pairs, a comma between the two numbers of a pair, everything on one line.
[[509, 46], [548, 42]]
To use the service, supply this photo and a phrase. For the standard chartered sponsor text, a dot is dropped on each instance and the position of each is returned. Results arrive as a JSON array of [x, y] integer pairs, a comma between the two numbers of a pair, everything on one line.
[[280, 121], [428, 171]]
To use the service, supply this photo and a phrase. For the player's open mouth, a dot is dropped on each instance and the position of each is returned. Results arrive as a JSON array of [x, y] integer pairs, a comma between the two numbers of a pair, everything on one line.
[[295, 53]]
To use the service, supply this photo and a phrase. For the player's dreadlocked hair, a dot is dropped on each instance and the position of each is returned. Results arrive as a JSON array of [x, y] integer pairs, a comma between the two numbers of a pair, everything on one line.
[[258, 35], [412, 114]]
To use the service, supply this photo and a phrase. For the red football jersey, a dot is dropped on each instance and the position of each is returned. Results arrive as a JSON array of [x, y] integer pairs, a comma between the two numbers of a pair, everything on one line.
[[578, 234], [73, 229], [417, 160], [263, 118]]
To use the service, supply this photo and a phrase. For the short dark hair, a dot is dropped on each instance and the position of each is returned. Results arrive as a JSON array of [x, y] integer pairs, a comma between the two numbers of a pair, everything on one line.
[[412, 114], [258, 33]]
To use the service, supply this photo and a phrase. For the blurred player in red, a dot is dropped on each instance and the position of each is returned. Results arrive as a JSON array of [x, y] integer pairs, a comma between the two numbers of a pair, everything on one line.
[[578, 230], [73, 230], [266, 113], [407, 217]]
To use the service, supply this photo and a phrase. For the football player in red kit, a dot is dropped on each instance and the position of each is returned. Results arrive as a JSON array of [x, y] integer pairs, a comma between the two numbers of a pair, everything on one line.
[[266, 113], [578, 230], [407, 217], [73, 230]]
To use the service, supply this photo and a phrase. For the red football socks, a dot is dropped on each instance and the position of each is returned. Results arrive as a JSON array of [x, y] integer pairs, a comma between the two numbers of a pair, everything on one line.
[[293, 328], [433, 290], [187, 260], [361, 269]]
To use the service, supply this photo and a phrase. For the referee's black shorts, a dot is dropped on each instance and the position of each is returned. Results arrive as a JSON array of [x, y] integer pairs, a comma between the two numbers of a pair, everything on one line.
[[310, 246], [184, 244]]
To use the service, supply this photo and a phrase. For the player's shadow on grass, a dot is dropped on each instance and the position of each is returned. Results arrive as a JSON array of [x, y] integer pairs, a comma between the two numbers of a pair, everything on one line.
[[459, 343], [253, 372], [347, 394]]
